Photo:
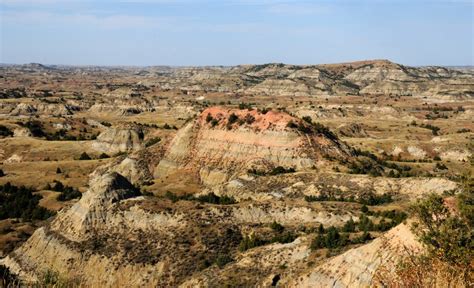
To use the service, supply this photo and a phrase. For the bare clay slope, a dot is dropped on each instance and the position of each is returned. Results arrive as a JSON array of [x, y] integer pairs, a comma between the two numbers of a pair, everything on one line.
[[115, 237], [223, 143], [376, 77]]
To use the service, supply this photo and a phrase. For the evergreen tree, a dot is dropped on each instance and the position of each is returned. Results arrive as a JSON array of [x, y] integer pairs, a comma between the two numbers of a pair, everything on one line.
[[349, 226], [321, 229]]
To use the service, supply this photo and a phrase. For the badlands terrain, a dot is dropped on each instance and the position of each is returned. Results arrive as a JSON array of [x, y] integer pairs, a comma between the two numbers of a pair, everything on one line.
[[245, 176]]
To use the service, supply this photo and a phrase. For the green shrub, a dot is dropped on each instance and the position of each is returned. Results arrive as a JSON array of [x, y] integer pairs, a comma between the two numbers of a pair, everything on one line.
[[349, 226], [291, 124], [307, 119], [5, 132], [249, 119], [223, 259], [332, 239], [35, 127], [209, 117], [20, 202], [8, 279], [243, 106], [277, 227], [463, 130], [50, 278], [249, 242], [232, 118], [84, 156], [364, 209], [275, 171], [447, 236], [103, 156], [208, 198], [434, 129], [283, 238], [214, 199], [367, 199], [321, 229], [365, 224], [441, 166], [67, 193], [152, 141], [281, 170]]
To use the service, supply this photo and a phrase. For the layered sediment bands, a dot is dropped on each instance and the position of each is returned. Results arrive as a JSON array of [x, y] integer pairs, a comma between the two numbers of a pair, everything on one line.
[[376, 77], [310, 184], [119, 139], [86, 241], [213, 144], [357, 267], [91, 211], [111, 238], [133, 167], [47, 251]]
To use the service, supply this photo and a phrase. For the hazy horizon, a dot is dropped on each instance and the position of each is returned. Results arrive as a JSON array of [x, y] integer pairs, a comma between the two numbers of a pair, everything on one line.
[[238, 32], [184, 66]]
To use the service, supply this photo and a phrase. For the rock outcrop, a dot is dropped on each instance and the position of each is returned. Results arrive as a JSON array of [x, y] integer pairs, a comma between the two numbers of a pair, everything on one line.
[[26, 109], [222, 143], [357, 267], [55, 246], [90, 212], [377, 77], [113, 238], [119, 139]]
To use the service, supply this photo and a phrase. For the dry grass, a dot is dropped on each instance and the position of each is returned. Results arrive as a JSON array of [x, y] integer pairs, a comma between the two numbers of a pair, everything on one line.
[[31, 149], [38, 174], [420, 272]]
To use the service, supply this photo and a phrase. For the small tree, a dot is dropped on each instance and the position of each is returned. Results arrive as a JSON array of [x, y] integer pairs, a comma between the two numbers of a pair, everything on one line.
[[349, 226], [84, 156], [103, 156], [249, 119], [58, 171], [7, 278], [318, 242], [277, 227], [58, 186], [364, 209], [2, 173], [321, 229], [448, 237], [233, 118], [307, 119], [332, 238]]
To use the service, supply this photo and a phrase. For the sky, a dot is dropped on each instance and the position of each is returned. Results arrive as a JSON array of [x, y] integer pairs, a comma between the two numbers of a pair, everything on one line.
[[220, 32]]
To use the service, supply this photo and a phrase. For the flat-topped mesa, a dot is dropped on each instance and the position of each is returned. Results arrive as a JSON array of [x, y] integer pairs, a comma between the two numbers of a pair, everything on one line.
[[223, 143]]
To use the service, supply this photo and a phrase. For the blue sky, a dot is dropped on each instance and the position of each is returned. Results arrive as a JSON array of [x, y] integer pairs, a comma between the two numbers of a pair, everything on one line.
[[213, 32]]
